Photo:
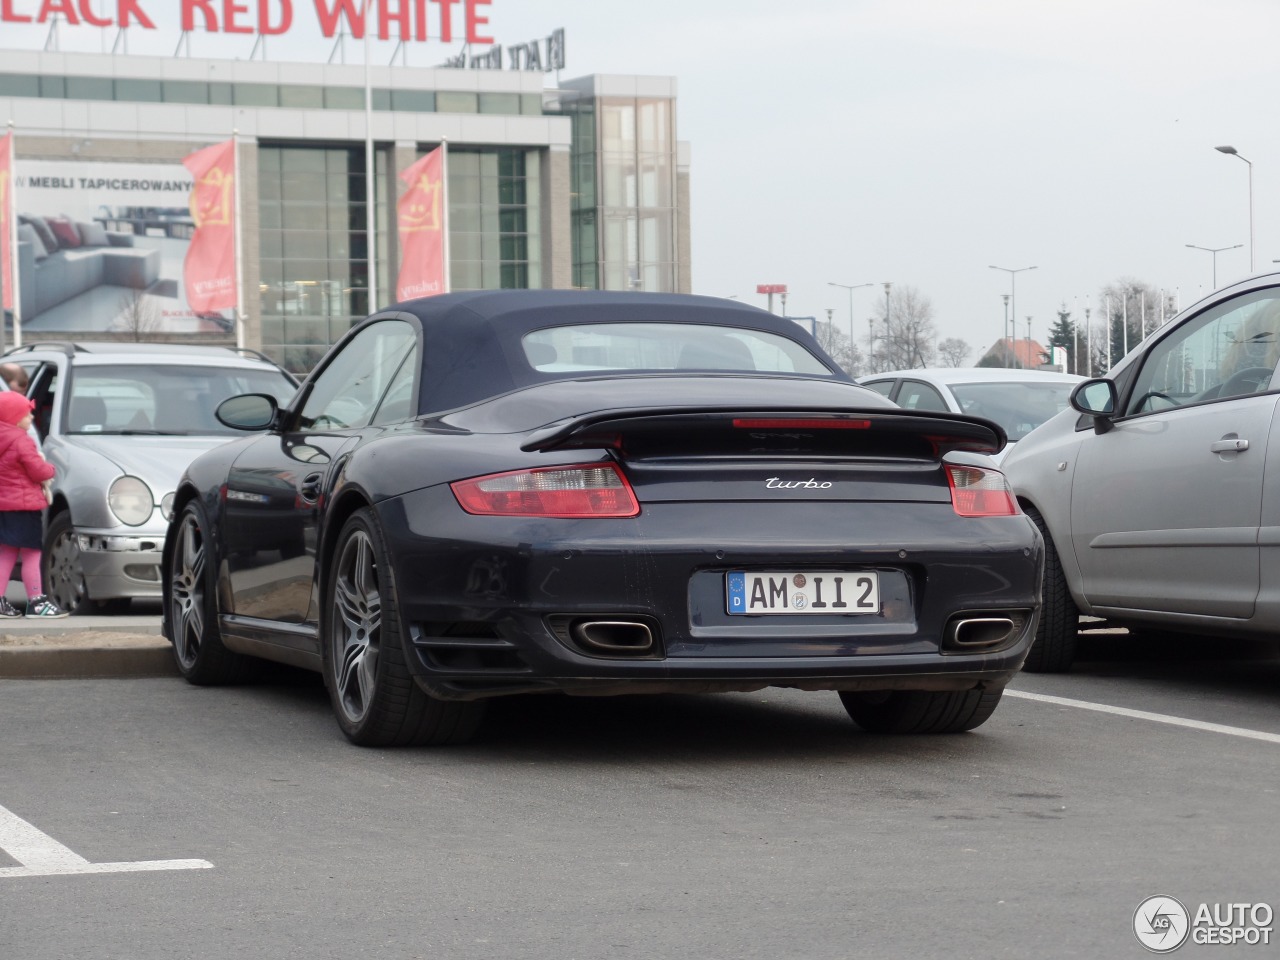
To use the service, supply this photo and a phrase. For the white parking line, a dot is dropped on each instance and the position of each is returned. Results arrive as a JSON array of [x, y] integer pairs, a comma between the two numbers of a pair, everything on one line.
[[1144, 715], [42, 856]]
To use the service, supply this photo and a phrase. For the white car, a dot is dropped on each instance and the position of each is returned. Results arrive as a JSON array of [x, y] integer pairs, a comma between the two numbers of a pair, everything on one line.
[[1018, 400]]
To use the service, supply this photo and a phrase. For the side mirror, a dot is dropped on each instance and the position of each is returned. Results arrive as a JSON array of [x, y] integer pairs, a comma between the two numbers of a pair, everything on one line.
[[1097, 399], [249, 411]]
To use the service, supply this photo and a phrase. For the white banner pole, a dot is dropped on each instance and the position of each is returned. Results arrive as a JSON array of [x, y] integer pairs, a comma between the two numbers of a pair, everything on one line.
[[235, 173], [11, 199]]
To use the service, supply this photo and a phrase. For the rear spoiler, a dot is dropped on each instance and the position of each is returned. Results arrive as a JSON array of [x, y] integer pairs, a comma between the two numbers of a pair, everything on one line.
[[773, 430]]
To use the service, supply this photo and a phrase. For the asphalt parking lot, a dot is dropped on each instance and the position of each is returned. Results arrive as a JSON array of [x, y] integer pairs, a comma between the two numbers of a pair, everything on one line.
[[144, 818]]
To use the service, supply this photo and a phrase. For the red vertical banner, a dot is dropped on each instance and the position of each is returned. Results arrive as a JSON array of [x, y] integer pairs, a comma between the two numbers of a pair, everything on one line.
[[420, 220], [8, 268], [209, 273]]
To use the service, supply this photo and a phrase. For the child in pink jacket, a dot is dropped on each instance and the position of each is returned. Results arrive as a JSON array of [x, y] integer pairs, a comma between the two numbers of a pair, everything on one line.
[[22, 503]]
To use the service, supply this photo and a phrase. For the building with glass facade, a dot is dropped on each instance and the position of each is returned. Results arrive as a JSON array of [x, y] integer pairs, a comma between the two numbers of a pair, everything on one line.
[[577, 184]]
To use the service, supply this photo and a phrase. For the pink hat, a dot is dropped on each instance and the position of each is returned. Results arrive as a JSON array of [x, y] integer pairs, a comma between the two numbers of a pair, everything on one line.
[[14, 406]]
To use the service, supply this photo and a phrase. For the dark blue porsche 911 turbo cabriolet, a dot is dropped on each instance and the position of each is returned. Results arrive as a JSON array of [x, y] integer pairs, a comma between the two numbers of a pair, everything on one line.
[[509, 492]]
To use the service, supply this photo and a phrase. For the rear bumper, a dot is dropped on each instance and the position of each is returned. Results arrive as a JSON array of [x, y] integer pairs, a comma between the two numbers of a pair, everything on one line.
[[489, 604]]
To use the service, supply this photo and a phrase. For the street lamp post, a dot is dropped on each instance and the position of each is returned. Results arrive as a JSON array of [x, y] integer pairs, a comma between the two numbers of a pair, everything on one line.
[[1013, 290], [1215, 251], [1235, 153], [1004, 331], [852, 287]]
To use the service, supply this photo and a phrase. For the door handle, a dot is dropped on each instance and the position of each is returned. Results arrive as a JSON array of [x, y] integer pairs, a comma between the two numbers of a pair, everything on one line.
[[1229, 445], [309, 489]]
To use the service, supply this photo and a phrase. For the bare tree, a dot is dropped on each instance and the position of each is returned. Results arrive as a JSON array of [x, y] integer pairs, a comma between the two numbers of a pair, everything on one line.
[[841, 349], [908, 330], [138, 315], [953, 351]]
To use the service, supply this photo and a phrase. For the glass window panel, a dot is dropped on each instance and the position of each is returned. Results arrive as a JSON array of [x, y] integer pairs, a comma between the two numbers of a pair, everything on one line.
[[465, 275], [15, 85], [657, 240], [88, 88], [511, 190], [464, 246], [304, 216], [531, 104], [463, 190], [302, 188], [491, 275], [305, 245], [619, 174], [55, 88], [220, 93], [272, 242], [381, 99], [344, 98], [256, 95], [414, 101], [303, 97], [504, 103], [138, 91], [655, 125], [655, 180], [464, 218], [463, 163], [515, 276], [618, 124], [184, 91], [455, 101], [295, 160]]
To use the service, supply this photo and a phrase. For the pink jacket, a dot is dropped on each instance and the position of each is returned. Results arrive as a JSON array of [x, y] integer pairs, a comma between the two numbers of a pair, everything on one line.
[[22, 470]]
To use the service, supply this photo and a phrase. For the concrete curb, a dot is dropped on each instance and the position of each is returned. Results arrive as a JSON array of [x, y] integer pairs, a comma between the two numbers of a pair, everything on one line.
[[84, 646], [144, 657]]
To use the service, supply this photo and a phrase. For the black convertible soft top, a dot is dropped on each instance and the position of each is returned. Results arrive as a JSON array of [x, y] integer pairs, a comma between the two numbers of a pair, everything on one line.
[[472, 341]]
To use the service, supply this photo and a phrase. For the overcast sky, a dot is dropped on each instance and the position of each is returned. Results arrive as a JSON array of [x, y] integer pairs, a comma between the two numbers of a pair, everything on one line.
[[921, 141]]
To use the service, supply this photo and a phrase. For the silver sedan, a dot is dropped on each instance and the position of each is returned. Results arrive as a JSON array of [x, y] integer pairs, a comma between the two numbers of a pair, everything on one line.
[[120, 422]]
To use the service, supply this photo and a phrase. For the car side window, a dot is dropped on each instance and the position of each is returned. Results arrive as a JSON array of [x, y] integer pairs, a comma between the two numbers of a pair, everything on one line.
[[1230, 350], [882, 387], [346, 392], [915, 395], [397, 404]]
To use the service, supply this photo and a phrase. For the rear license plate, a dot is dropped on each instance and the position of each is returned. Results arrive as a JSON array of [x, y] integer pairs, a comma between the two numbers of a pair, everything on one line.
[[750, 593]]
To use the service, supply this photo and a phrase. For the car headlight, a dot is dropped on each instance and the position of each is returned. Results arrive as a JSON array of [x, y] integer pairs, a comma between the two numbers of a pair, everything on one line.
[[166, 506], [130, 500]]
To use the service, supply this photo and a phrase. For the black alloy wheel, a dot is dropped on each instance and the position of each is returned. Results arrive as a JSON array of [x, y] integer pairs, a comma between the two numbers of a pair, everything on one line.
[[193, 610], [920, 711], [374, 696], [1058, 632]]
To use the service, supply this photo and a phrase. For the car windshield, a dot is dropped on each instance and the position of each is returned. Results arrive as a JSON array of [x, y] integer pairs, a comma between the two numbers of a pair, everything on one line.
[[164, 400], [666, 346], [1018, 407]]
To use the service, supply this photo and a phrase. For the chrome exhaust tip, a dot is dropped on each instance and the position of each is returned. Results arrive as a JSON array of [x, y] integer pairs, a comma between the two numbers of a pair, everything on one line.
[[972, 632], [613, 636]]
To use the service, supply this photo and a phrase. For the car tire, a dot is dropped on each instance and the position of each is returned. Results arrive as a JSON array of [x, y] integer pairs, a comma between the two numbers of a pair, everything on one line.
[[192, 611], [1058, 633], [920, 711], [374, 696], [61, 572]]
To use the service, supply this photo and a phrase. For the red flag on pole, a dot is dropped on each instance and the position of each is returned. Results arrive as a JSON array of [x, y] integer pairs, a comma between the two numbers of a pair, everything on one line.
[[209, 273], [7, 250], [420, 216]]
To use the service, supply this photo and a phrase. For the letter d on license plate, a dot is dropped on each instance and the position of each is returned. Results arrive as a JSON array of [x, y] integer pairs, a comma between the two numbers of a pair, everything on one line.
[[823, 591]]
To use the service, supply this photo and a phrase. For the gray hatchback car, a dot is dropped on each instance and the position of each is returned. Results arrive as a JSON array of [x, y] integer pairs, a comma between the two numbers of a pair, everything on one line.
[[1156, 492], [120, 422]]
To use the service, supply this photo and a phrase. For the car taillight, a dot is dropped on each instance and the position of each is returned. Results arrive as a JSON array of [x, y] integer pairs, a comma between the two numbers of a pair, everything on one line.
[[977, 492], [589, 490]]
